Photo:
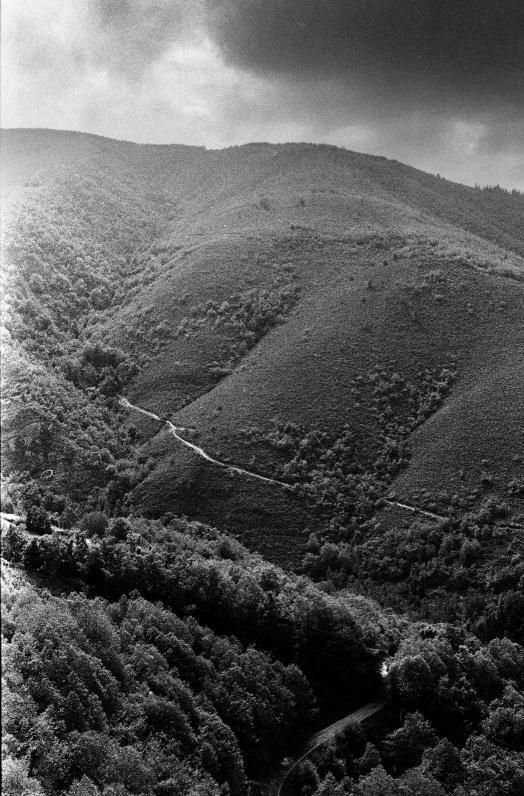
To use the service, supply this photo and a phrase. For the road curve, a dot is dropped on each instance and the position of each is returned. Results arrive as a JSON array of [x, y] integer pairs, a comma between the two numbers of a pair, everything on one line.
[[174, 430], [274, 787]]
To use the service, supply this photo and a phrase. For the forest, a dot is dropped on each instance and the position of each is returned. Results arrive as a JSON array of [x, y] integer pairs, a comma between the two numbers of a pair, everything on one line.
[[173, 658]]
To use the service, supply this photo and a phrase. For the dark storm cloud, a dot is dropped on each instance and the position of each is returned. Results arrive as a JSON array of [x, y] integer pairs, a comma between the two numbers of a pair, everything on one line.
[[435, 83], [467, 55]]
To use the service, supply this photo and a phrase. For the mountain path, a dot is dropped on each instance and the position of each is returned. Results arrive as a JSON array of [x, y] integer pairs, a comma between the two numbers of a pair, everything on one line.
[[174, 430], [275, 785], [415, 510], [235, 469]]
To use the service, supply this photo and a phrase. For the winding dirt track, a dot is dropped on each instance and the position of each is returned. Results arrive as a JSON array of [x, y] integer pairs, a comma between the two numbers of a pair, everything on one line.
[[174, 430], [274, 787]]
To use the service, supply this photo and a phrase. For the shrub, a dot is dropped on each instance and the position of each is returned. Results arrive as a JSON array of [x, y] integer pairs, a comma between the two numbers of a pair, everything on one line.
[[120, 529], [37, 520], [94, 523], [36, 283]]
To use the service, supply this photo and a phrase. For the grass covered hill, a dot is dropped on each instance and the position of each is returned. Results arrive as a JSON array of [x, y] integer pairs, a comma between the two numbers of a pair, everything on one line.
[[263, 296]]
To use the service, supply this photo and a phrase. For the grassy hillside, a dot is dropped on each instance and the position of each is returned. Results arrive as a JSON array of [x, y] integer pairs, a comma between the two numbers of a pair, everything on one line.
[[382, 278], [243, 290], [264, 285]]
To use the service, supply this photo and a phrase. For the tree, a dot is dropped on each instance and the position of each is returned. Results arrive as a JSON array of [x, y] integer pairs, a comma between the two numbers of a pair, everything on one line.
[[505, 722], [369, 760], [83, 787], [330, 787], [305, 778], [443, 762], [420, 782], [490, 769], [13, 544], [94, 523], [412, 679], [351, 742], [36, 283], [404, 747], [126, 766], [100, 298], [120, 529], [33, 556], [16, 781], [37, 520], [378, 783]]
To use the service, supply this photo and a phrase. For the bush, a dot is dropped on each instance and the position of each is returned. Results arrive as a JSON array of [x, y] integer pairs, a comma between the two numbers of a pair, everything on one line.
[[120, 529], [14, 543], [94, 523], [37, 520]]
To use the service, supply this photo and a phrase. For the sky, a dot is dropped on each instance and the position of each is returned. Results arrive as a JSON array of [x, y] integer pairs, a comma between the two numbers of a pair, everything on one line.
[[438, 84]]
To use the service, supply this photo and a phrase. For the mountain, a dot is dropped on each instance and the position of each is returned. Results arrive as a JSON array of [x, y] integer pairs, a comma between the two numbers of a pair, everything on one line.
[[270, 285], [317, 352]]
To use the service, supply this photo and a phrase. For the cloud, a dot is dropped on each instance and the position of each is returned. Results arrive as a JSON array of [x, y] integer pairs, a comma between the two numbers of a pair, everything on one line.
[[132, 35], [435, 83], [461, 54], [126, 68]]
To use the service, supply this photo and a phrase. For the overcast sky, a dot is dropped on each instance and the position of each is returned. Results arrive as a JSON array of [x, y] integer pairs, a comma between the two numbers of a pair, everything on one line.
[[438, 84]]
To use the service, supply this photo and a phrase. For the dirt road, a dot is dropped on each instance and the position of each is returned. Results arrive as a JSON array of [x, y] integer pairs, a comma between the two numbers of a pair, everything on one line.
[[275, 786]]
